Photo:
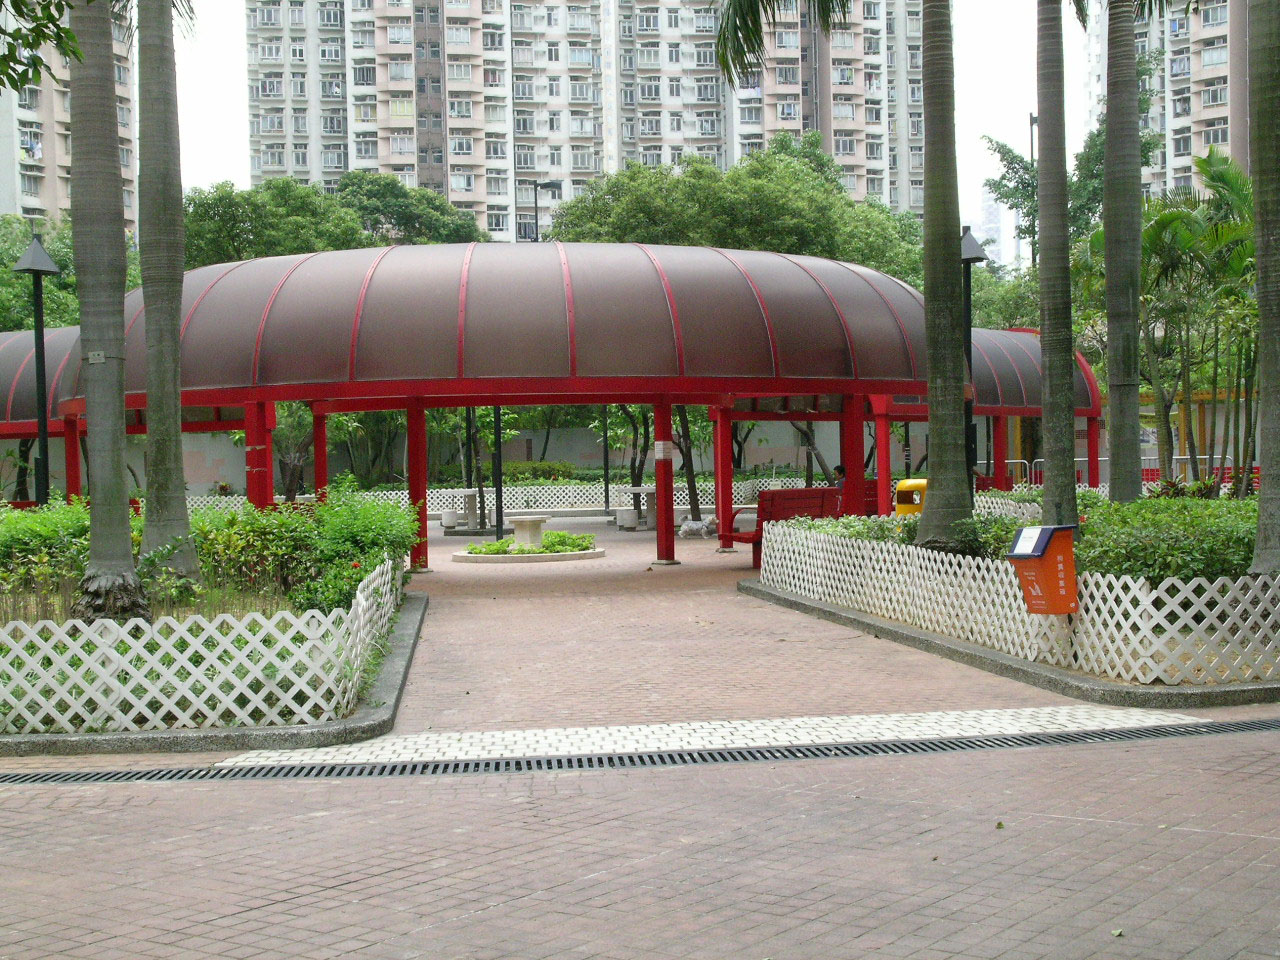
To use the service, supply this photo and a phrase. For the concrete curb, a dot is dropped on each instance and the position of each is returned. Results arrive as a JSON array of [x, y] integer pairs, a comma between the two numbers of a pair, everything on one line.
[[1055, 679], [374, 716]]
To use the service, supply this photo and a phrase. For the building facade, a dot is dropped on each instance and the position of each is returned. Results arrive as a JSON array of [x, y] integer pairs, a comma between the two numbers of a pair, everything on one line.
[[35, 131], [508, 107], [1199, 85]]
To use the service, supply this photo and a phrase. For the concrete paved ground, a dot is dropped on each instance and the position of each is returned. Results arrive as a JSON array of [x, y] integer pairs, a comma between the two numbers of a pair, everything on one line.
[[1159, 849]]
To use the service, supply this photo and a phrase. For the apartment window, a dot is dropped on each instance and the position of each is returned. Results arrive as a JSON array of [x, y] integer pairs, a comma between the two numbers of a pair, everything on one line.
[[580, 19], [298, 85], [871, 81], [673, 86], [1214, 16], [913, 24], [366, 110], [750, 113], [788, 110], [875, 186], [916, 155], [1180, 66], [651, 89], [580, 56], [647, 21], [844, 74], [871, 113], [915, 124], [525, 158], [402, 33], [1215, 94], [402, 143], [400, 70], [1179, 26], [708, 125], [875, 150], [332, 88], [788, 39], [333, 124], [845, 144], [460, 146], [300, 156], [271, 86], [1214, 55], [495, 184], [553, 121], [521, 87], [1182, 145], [626, 28], [871, 45], [495, 149], [31, 184], [705, 21], [651, 156], [553, 86], [457, 35], [850, 181], [523, 121], [891, 91], [651, 125], [581, 158], [330, 16], [917, 193], [582, 91], [494, 113], [1182, 182], [788, 75], [272, 156], [300, 122], [554, 157], [460, 71], [497, 221], [297, 15], [553, 53], [708, 91], [915, 91], [581, 125], [364, 75], [1182, 104], [460, 109], [491, 39], [401, 106], [331, 52], [269, 51], [871, 10], [842, 39], [366, 146], [843, 110], [1215, 132], [462, 182]]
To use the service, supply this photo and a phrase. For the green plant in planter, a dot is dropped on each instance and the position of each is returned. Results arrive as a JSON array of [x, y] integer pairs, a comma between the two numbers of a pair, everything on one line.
[[553, 541]]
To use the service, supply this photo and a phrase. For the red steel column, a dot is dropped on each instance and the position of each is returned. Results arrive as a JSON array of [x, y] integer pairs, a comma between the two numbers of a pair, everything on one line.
[[884, 469], [723, 446], [320, 445], [853, 499], [252, 446], [417, 427], [268, 454], [1093, 433], [71, 454], [1000, 452], [665, 481]]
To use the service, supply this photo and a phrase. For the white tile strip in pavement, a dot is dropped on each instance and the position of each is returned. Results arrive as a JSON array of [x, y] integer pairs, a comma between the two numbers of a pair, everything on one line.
[[715, 734]]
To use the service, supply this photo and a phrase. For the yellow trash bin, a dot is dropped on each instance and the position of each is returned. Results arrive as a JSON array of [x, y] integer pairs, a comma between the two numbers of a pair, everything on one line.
[[909, 497]]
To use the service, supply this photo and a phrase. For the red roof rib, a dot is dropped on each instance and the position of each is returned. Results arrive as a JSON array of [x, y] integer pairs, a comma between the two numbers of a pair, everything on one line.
[[844, 322], [462, 306], [568, 309], [764, 310], [676, 332], [266, 312], [355, 319]]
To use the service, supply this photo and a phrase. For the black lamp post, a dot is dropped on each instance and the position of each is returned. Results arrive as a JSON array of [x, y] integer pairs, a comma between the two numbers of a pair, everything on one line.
[[38, 263], [537, 209], [971, 252]]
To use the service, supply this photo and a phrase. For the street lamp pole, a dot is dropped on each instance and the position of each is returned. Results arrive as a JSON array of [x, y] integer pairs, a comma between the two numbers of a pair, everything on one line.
[[971, 252], [537, 206], [37, 262]]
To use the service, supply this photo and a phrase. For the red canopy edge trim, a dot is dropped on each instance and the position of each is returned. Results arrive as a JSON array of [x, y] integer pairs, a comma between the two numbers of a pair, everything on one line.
[[359, 312], [764, 309], [676, 332]]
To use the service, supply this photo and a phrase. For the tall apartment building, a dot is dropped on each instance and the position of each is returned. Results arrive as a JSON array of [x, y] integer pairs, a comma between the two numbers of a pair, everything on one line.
[[35, 131], [1199, 86], [508, 107]]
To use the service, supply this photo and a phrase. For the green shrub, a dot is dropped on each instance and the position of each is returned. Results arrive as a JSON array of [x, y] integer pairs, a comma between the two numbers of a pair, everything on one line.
[[553, 541]]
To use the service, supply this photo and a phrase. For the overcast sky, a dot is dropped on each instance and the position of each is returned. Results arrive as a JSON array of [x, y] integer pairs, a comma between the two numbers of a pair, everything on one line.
[[995, 90]]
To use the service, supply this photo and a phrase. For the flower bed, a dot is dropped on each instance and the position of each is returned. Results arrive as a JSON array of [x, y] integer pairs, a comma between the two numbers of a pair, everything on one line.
[[258, 670], [553, 541], [1144, 616]]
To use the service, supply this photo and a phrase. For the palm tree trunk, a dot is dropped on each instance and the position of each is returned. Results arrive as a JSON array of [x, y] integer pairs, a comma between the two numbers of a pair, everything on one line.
[[1122, 224], [1213, 400], [110, 587], [1164, 434], [1058, 415], [949, 482], [1264, 93], [1188, 406], [162, 258]]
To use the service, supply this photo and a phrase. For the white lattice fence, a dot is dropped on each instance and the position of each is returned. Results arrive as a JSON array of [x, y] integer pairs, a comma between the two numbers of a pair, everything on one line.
[[987, 506], [1174, 632], [229, 671]]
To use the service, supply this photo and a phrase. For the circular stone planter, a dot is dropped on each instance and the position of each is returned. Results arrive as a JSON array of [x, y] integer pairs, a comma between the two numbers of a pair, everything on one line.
[[463, 557]]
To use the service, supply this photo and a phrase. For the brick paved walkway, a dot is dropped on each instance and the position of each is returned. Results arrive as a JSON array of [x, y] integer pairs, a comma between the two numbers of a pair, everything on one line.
[[1031, 853]]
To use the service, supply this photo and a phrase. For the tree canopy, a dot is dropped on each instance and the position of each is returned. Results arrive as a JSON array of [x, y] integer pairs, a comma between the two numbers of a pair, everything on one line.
[[787, 198], [284, 216], [33, 24]]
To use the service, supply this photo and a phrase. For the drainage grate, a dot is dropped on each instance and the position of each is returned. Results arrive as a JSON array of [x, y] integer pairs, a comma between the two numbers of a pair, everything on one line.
[[629, 761]]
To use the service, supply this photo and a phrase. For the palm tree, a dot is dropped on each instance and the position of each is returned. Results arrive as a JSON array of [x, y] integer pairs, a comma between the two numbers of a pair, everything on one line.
[[110, 587], [162, 260], [1122, 219], [1264, 94], [1058, 402]]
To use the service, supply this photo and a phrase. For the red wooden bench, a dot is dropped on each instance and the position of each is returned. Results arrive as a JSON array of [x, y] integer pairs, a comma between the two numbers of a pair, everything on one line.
[[783, 505]]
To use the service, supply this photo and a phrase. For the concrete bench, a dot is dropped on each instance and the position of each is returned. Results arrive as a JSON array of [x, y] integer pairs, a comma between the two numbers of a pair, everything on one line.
[[529, 530]]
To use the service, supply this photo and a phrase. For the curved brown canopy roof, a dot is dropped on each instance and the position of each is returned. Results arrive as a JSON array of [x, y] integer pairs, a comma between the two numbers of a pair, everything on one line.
[[578, 322]]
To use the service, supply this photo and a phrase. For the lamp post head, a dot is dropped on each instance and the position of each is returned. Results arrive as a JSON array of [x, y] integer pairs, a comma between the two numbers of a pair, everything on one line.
[[35, 260], [970, 249]]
